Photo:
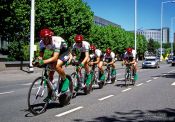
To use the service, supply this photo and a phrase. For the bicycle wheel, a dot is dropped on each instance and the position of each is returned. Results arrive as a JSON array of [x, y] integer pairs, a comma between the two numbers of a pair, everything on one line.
[[75, 84], [126, 77], [65, 98], [37, 93]]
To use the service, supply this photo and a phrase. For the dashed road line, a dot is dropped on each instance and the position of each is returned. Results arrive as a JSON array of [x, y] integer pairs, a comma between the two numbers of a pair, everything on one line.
[[101, 99], [171, 71], [6, 92], [139, 84], [148, 81], [70, 111], [126, 90], [155, 78], [173, 84], [26, 84]]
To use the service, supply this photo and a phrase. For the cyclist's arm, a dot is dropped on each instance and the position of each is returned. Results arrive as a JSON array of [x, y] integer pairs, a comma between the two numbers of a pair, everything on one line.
[[41, 54], [71, 57], [134, 60], [54, 58], [86, 58], [97, 61], [111, 62]]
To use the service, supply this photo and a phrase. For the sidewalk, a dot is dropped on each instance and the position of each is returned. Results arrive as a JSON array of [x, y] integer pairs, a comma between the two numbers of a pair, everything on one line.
[[14, 73]]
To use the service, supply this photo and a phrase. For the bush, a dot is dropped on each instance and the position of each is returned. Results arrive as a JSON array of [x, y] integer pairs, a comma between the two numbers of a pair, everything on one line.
[[21, 51]]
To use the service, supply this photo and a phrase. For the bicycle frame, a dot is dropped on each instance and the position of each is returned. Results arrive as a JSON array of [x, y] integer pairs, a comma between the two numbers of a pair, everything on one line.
[[129, 74]]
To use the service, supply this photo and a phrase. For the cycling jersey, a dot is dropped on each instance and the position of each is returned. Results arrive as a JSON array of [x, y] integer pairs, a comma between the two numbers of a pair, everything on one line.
[[130, 56], [58, 44], [95, 55], [81, 48], [109, 58]]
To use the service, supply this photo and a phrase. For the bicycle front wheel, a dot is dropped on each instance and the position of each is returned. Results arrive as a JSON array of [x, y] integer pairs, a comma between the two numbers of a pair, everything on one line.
[[37, 93]]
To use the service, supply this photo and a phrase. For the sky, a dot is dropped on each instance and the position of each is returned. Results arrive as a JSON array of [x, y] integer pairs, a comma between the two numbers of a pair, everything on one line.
[[122, 12]]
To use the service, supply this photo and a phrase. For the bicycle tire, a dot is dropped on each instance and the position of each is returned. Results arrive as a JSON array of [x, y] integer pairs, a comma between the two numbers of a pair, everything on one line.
[[75, 84], [40, 89], [65, 98]]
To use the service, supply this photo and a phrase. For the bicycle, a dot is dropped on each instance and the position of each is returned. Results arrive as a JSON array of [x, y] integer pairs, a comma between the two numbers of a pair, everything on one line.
[[39, 90], [129, 75], [110, 78], [96, 74], [79, 80]]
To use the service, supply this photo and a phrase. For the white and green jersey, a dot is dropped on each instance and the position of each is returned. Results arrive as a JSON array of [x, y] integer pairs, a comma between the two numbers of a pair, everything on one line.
[[98, 53], [58, 44], [83, 48]]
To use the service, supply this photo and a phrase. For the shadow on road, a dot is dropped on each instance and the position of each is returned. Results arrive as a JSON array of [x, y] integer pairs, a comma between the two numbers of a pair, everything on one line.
[[163, 115], [166, 75]]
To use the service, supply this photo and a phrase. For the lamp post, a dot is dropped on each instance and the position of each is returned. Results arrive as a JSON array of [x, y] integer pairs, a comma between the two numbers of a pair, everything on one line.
[[172, 34], [32, 30], [161, 26]]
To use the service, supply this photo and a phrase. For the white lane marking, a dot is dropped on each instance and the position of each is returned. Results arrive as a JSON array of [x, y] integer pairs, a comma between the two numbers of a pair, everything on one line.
[[155, 78], [26, 84], [139, 84], [148, 81], [171, 71], [70, 111], [106, 97], [173, 84], [126, 90], [6, 92]]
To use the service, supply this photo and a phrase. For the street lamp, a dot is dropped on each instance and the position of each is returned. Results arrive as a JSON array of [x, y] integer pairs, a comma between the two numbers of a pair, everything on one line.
[[32, 30], [135, 24], [172, 34], [161, 26]]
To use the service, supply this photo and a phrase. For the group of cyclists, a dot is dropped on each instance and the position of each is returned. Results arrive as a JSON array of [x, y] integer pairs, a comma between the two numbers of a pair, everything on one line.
[[89, 56]]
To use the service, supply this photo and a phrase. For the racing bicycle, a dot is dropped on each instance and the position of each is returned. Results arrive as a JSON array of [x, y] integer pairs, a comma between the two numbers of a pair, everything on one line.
[[38, 91]]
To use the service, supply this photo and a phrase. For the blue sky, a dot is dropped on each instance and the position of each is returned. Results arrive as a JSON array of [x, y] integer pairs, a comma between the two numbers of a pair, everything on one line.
[[122, 12]]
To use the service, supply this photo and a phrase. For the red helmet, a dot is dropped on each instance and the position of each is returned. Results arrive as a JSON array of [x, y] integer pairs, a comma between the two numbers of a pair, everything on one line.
[[46, 33], [108, 51], [92, 47], [129, 50], [78, 38]]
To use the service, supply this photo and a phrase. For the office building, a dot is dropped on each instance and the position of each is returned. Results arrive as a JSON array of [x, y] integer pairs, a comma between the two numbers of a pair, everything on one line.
[[103, 22], [155, 34]]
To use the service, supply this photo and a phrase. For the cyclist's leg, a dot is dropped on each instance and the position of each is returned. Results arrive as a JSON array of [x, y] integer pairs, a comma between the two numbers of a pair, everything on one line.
[[60, 62], [113, 69], [89, 75], [51, 78], [100, 67], [135, 71]]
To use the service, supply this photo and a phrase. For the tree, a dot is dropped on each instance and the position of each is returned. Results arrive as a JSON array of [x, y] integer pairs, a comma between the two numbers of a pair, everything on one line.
[[153, 46], [65, 17]]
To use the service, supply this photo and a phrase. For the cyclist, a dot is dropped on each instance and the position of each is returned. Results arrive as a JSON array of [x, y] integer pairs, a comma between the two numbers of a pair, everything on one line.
[[109, 59], [130, 57], [96, 58], [83, 48], [60, 56]]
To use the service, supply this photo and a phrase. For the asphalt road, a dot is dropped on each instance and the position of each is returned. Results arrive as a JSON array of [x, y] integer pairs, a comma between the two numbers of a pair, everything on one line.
[[151, 99]]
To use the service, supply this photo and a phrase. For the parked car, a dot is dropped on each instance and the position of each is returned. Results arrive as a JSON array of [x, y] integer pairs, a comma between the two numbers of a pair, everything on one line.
[[173, 61], [151, 62], [169, 60]]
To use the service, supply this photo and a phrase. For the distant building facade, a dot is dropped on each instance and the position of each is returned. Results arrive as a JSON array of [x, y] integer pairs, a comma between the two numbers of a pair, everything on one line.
[[155, 34], [103, 22]]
